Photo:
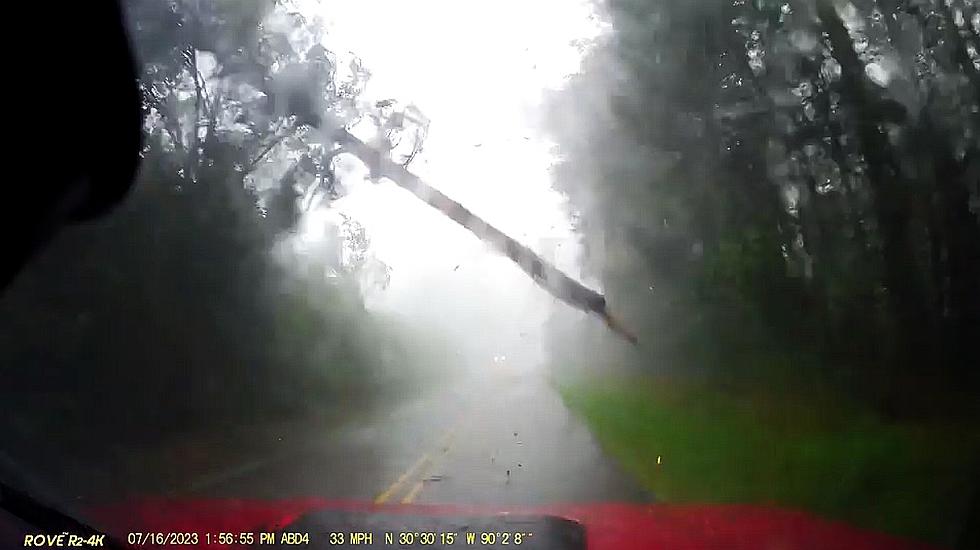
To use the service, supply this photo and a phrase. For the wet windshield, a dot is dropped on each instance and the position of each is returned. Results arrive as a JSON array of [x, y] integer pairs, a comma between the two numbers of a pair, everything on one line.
[[650, 252]]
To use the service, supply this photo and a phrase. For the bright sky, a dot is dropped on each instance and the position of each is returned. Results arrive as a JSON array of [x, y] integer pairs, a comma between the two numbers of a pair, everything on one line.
[[477, 70]]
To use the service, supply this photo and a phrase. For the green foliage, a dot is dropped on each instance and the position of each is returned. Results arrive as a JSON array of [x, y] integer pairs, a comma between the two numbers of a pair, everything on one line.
[[172, 313], [757, 169], [781, 199], [812, 451], [738, 270]]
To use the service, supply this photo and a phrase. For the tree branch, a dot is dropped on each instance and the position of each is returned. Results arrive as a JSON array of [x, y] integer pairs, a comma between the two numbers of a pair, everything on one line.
[[547, 276], [272, 144]]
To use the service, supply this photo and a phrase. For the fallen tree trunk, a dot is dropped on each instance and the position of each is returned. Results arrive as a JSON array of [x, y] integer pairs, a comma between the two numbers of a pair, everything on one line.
[[543, 273]]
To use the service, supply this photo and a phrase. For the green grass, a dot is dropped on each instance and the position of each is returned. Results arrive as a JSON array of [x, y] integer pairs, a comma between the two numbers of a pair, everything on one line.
[[810, 452]]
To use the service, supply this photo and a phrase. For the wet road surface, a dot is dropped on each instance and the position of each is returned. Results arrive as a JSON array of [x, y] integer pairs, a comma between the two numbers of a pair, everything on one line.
[[501, 438]]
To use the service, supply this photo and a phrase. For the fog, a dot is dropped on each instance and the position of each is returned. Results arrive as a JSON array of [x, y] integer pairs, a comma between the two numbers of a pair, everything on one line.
[[485, 148], [253, 289], [778, 198]]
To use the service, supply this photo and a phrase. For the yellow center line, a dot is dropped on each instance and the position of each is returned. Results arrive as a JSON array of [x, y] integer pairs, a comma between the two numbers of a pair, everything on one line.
[[413, 493], [446, 445], [419, 468], [383, 497]]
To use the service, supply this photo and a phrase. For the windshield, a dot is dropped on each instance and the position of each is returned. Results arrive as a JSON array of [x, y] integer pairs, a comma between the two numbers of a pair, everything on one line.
[[648, 252]]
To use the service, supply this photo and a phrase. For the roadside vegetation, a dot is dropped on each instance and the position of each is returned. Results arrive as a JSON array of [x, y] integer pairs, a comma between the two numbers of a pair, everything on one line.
[[201, 305], [690, 443], [781, 200]]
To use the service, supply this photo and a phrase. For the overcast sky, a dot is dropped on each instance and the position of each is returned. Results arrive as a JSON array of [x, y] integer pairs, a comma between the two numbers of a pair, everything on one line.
[[477, 70]]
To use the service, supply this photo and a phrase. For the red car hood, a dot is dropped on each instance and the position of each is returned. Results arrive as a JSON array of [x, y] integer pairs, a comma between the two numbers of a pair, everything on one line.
[[606, 526]]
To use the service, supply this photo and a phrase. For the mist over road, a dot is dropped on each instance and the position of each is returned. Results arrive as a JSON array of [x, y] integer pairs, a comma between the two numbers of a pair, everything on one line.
[[499, 437]]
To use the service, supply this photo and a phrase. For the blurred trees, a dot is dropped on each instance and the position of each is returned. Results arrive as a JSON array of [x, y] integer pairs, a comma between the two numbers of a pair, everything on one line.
[[171, 312], [788, 188]]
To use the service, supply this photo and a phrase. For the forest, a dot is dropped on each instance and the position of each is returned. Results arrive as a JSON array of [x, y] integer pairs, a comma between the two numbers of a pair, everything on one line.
[[788, 177], [197, 303], [782, 197]]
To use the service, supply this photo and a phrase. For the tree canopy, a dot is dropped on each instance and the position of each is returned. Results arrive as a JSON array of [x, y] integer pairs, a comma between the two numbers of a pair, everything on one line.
[[794, 178], [191, 303]]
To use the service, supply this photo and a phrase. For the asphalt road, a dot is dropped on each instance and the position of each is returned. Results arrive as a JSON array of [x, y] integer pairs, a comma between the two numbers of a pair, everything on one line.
[[501, 438]]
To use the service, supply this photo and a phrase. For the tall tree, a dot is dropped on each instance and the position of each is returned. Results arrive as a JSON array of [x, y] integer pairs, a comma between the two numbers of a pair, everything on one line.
[[802, 171]]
